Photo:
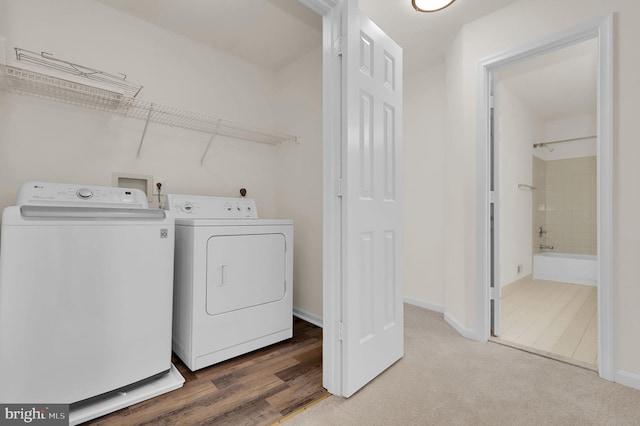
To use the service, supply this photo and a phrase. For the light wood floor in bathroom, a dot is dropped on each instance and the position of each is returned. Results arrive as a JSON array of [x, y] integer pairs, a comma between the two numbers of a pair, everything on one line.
[[260, 388], [553, 318]]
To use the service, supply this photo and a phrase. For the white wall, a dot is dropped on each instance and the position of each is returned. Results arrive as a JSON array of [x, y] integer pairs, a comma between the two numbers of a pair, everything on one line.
[[424, 219], [518, 129], [299, 185], [50, 141], [459, 201], [523, 22], [44, 140]]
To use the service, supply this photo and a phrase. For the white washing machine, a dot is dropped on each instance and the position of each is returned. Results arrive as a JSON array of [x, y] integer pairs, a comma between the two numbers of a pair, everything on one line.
[[233, 279], [86, 278]]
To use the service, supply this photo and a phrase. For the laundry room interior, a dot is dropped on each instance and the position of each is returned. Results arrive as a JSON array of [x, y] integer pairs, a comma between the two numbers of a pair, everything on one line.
[[270, 98], [228, 107], [44, 140]]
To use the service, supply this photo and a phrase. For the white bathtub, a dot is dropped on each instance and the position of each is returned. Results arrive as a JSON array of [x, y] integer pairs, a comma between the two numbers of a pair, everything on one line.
[[566, 268]]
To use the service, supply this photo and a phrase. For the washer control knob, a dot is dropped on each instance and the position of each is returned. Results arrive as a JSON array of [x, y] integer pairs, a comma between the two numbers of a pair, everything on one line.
[[84, 193], [187, 207]]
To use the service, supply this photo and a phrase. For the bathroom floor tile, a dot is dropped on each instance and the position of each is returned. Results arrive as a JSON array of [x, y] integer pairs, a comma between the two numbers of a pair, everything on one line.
[[553, 317]]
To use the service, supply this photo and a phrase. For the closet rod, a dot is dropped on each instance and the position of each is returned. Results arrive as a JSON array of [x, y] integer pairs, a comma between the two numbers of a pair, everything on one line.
[[541, 144]]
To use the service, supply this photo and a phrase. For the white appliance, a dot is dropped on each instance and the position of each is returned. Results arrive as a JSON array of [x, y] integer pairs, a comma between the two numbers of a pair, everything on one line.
[[233, 279], [85, 298]]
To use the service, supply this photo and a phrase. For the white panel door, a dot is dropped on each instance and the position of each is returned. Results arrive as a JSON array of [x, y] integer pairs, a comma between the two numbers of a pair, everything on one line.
[[372, 202]]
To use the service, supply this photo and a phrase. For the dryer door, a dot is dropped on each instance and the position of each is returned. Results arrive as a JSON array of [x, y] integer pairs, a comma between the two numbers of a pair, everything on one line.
[[244, 271]]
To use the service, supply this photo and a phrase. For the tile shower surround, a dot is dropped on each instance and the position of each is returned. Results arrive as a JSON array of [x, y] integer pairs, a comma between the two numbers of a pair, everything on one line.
[[565, 204]]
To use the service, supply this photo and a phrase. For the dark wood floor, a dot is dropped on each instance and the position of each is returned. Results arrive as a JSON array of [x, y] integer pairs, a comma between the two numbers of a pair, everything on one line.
[[259, 388]]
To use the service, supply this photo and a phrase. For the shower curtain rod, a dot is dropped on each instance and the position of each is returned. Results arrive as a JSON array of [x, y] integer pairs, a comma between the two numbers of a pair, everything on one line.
[[541, 144]]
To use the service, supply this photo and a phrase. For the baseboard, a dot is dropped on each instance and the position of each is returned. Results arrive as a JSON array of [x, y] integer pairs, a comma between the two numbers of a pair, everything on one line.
[[625, 378], [425, 305], [465, 332], [317, 320], [307, 316], [511, 287]]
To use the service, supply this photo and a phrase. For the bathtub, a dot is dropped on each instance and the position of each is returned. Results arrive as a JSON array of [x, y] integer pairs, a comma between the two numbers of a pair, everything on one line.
[[566, 268]]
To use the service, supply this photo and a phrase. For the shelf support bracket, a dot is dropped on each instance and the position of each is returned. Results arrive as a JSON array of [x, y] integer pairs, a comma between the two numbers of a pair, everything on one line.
[[144, 131], [213, 135]]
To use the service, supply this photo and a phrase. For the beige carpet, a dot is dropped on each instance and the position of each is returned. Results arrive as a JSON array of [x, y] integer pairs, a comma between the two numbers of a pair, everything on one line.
[[445, 379]]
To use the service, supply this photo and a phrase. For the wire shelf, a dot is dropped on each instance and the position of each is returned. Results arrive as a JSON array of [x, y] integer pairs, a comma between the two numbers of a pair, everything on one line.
[[93, 76], [170, 116], [28, 82], [98, 90]]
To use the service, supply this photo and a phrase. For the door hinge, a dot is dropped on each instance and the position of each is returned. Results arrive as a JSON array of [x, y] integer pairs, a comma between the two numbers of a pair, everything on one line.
[[492, 293], [492, 197], [339, 187], [340, 332], [337, 45]]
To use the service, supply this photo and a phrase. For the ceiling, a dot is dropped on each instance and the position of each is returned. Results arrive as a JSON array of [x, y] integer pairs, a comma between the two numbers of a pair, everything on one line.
[[556, 85], [425, 37], [273, 33], [269, 33]]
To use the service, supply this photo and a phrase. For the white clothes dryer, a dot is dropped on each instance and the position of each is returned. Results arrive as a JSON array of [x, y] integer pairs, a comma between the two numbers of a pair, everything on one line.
[[233, 280]]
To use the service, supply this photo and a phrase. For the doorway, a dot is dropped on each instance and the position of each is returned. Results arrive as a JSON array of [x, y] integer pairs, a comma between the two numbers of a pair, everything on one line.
[[545, 169], [488, 297]]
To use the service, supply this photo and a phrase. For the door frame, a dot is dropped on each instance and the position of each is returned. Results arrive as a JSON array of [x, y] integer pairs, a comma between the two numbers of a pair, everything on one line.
[[332, 368], [601, 29], [334, 133]]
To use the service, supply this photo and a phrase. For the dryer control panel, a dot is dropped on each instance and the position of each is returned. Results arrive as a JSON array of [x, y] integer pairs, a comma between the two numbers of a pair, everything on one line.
[[62, 194], [198, 206]]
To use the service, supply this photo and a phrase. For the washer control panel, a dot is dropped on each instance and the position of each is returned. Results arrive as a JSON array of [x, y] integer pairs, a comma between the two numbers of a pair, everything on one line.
[[61, 194], [198, 206]]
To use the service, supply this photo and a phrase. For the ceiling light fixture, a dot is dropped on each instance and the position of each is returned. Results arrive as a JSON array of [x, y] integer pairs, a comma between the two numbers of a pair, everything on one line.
[[430, 5]]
